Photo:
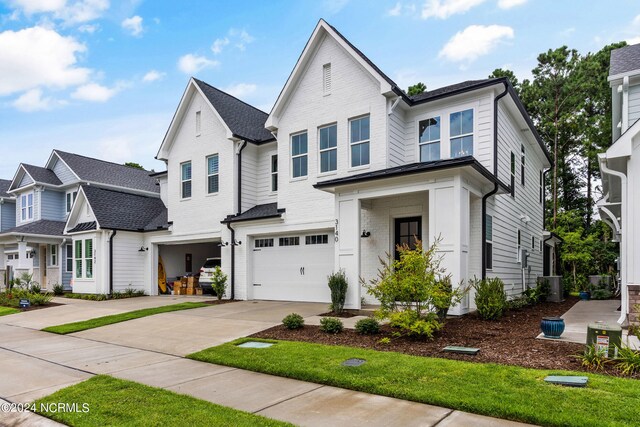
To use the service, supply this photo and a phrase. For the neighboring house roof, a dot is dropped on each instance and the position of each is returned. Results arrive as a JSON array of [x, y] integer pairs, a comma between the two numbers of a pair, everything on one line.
[[624, 60], [244, 120], [4, 187], [125, 211], [103, 172], [42, 175], [43, 227], [268, 210]]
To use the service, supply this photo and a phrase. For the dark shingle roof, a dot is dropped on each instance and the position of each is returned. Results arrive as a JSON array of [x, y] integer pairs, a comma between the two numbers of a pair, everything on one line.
[[4, 186], [43, 227], [125, 211], [268, 210], [244, 120], [451, 89], [83, 226], [625, 59], [42, 175], [103, 172]]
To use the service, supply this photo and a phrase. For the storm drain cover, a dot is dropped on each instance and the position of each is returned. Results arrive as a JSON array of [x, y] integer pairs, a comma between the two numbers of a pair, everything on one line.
[[461, 350], [353, 362], [569, 381], [255, 344]]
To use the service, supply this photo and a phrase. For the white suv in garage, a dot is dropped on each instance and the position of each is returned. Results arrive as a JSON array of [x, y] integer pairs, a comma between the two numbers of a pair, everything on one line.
[[206, 274]]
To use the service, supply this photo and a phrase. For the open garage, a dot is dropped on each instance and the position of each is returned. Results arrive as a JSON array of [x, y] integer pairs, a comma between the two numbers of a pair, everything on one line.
[[187, 258]]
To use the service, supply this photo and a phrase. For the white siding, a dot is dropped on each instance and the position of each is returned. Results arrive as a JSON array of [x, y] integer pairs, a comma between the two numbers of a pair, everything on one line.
[[634, 104], [249, 176], [263, 174], [398, 154], [128, 262]]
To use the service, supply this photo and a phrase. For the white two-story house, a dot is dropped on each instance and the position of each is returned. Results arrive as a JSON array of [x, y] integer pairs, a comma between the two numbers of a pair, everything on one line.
[[345, 167]]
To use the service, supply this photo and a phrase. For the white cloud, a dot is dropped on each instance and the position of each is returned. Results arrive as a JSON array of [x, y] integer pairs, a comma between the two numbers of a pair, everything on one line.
[[32, 100], [475, 41], [508, 4], [633, 40], [241, 90], [38, 56], [442, 9], [219, 44], [30, 7], [133, 25], [243, 38], [396, 10], [153, 76], [94, 92], [191, 63], [71, 13], [88, 28], [334, 6]]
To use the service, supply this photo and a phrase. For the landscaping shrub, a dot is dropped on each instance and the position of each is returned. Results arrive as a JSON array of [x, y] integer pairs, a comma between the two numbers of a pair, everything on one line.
[[384, 341], [367, 326], [331, 325], [88, 297], [634, 330], [443, 296], [593, 359], [518, 303], [293, 321], [35, 288], [491, 300], [58, 289], [219, 282], [539, 293], [12, 299], [628, 361], [412, 325], [128, 293], [338, 285], [601, 294]]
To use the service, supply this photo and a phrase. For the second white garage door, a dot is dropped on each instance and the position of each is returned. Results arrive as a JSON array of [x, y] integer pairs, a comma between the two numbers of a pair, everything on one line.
[[293, 267]]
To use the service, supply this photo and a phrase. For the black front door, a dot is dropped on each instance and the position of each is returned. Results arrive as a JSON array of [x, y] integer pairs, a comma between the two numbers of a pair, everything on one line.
[[408, 231]]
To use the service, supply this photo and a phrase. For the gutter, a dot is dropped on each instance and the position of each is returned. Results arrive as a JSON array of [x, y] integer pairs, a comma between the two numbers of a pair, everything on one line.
[[111, 261]]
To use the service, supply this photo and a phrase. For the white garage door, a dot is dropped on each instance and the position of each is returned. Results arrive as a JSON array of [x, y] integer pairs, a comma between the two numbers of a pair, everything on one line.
[[293, 267]]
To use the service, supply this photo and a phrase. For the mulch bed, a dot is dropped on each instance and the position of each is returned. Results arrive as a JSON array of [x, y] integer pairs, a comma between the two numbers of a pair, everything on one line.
[[216, 302], [508, 341], [346, 314], [37, 307]]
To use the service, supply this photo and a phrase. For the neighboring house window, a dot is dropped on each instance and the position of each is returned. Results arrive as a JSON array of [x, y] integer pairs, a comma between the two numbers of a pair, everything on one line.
[[489, 243], [319, 239], [26, 206], [519, 247], [429, 140], [78, 258], [10, 257], [88, 258], [213, 180], [513, 174], [461, 133], [186, 179], [541, 186], [328, 150], [299, 151], [289, 241], [522, 164], [263, 243], [198, 122], [71, 198], [359, 141], [69, 255], [326, 79], [53, 255], [274, 173]]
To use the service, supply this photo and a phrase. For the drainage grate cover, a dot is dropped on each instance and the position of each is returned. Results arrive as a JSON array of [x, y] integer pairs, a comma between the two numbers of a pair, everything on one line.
[[461, 350], [353, 362], [569, 381], [255, 344]]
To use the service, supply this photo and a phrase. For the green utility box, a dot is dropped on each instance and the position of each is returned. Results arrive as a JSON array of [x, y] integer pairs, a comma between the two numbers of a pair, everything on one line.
[[605, 337]]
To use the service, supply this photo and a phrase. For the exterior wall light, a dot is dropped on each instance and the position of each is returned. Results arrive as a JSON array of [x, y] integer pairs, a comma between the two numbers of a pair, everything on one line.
[[365, 234]]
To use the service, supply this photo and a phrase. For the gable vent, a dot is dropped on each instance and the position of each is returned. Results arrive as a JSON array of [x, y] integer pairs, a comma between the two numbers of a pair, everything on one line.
[[326, 78]]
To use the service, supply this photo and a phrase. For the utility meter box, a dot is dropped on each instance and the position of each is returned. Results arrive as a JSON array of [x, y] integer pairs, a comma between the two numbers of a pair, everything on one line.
[[605, 337]]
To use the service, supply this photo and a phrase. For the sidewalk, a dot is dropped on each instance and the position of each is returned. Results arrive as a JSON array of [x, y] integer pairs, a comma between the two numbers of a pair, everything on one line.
[[36, 364]]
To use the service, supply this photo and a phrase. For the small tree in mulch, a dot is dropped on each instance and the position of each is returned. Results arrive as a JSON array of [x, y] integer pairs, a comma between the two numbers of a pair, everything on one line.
[[338, 284], [219, 282]]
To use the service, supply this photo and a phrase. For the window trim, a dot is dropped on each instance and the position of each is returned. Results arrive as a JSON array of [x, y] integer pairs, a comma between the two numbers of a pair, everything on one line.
[[182, 181], [438, 141], [78, 261], [513, 174], [52, 255], [316, 239], [70, 200], [88, 259], [274, 173], [297, 156], [68, 258], [472, 133], [522, 165], [363, 141], [295, 241], [325, 150], [262, 240], [488, 242], [519, 246], [209, 175], [26, 210]]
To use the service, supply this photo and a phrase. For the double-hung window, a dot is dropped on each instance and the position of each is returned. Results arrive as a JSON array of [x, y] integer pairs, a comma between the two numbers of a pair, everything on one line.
[[429, 141], [489, 243], [274, 173], [26, 207], [53, 255], [513, 174], [328, 148], [185, 179], [69, 255], [78, 258], [522, 168], [461, 133], [71, 198], [359, 141], [299, 159], [213, 179], [84, 258]]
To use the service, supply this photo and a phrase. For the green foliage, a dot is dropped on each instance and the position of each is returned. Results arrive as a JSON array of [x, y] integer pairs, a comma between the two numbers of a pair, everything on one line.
[[518, 303], [634, 329], [416, 89], [593, 358], [219, 282], [628, 361], [338, 285], [24, 281], [88, 297], [491, 301], [415, 326], [601, 294], [134, 165], [293, 321], [12, 299], [384, 341], [367, 326], [128, 293], [331, 325], [539, 293], [58, 289], [35, 288], [500, 72]]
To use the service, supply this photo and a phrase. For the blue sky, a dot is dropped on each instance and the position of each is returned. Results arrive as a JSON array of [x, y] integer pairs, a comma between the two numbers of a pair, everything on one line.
[[103, 77]]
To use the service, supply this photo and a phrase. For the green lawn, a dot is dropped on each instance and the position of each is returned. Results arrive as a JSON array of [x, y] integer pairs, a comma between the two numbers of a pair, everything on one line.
[[69, 328], [8, 310], [501, 391], [110, 401]]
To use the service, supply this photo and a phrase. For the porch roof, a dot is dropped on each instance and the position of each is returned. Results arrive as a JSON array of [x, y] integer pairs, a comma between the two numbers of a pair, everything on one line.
[[414, 168], [265, 211], [43, 227]]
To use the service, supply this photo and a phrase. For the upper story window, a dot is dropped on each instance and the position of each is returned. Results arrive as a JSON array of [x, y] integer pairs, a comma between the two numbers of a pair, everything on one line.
[[198, 122], [185, 179], [274, 173], [326, 79], [489, 242], [299, 159], [461, 133], [513, 174], [429, 141], [359, 141], [213, 179], [522, 164], [328, 148], [71, 198], [26, 207]]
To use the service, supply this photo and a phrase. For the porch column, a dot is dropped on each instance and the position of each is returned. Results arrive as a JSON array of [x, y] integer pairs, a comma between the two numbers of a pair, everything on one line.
[[22, 255], [347, 247]]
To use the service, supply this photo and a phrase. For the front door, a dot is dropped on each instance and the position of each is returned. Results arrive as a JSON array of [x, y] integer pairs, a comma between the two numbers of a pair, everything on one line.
[[408, 232]]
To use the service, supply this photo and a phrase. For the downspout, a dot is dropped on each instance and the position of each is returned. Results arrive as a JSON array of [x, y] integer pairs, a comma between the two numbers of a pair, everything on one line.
[[233, 260], [495, 173], [111, 261], [623, 240]]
